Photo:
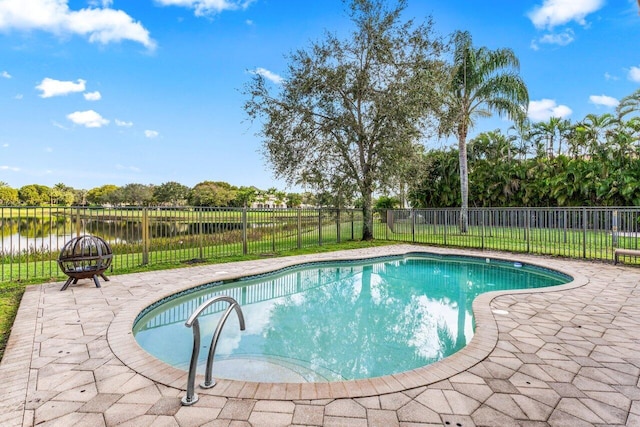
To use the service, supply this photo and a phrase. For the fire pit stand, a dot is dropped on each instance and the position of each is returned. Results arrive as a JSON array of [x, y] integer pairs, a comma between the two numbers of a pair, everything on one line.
[[85, 257]]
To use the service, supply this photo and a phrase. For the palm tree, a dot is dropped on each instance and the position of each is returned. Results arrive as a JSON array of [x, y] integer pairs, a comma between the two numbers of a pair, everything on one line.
[[553, 132], [597, 129], [483, 82], [629, 104], [521, 132]]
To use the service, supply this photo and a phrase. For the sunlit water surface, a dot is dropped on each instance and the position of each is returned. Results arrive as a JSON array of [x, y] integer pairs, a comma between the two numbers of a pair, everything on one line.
[[338, 321]]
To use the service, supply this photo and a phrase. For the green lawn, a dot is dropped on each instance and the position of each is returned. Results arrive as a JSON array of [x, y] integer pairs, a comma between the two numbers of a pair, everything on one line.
[[585, 244]]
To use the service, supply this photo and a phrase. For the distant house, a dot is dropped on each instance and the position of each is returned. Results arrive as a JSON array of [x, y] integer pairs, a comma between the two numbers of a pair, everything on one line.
[[269, 202]]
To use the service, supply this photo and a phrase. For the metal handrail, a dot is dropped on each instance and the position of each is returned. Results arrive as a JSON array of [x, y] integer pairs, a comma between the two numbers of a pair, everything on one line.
[[193, 322]]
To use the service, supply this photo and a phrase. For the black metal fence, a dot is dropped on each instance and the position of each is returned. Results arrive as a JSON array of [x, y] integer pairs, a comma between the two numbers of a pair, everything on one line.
[[31, 237], [588, 233]]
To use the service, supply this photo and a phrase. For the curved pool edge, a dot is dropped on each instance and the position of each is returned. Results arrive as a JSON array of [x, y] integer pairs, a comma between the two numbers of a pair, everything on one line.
[[123, 344]]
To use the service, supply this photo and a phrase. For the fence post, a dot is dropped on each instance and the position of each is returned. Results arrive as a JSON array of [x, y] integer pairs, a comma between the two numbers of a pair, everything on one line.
[[244, 231], [413, 225], [273, 229], [352, 226], [200, 227], [338, 225], [320, 227], [482, 224], [584, 233], [614, 228], [145, 236], [299, 228], [445, 222], [388, 214], [78, 222], [527, 229]]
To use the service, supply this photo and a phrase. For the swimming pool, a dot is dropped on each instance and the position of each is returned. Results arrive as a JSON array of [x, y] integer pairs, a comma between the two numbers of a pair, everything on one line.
[[340, 320]]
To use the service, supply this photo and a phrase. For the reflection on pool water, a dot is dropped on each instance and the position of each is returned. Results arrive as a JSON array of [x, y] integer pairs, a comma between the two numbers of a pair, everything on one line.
[[337, 321]]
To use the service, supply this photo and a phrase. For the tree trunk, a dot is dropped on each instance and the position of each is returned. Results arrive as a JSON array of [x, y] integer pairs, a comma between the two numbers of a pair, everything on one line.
[[367, 216], [464, 182]]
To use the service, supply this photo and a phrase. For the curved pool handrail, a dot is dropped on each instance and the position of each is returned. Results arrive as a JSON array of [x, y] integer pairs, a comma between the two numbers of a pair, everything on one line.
[[193, 322]]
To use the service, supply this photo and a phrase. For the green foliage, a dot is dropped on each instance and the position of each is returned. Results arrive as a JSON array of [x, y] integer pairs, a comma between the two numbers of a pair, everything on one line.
[[8, 196], [593, 162], [294, 200], [103, 195], [62, 195], [9, 303], [387, 202], [536, 182], [137, 194], [171, 193], [210, 193], [439, 183], [35, 195], [245, 196]]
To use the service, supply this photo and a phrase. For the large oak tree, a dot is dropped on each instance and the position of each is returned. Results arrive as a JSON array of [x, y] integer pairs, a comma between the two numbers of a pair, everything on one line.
[[350, 110]]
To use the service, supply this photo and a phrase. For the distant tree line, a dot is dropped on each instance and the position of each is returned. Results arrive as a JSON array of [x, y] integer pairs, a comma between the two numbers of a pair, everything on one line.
[[206, 193]]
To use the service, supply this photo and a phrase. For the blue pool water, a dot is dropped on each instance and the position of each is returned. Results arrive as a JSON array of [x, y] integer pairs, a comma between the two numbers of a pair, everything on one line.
[[337, 321]]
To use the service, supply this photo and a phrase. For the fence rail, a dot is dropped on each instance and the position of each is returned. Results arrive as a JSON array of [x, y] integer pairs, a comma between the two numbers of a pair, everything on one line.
[[31, 237], [588, 233]]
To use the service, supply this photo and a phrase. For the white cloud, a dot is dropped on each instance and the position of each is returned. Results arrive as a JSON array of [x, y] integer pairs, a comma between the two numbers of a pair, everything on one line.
[[5, 74], [634, 74], [208, 7], [151, 134], [48, 150], [102, 25], [604, 100], [89, 119], [546, 108], [9, 168], [123, 123], [18, 96], [52, 87], [559, 12], [5, 145], [561, 39], [268, 75], [92, 96], [608, 76]]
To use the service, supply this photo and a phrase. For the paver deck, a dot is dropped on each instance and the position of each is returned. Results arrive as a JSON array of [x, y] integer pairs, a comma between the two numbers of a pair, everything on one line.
[[567, 356]]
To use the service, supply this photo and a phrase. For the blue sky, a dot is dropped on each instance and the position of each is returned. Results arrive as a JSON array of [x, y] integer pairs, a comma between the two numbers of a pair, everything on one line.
[[97, 92]]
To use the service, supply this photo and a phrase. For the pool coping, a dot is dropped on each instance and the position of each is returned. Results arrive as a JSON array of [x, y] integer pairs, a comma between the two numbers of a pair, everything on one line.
[[124, 346]]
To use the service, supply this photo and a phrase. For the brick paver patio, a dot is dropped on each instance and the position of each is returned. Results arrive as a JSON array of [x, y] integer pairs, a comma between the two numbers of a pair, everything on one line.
[[568, 356]]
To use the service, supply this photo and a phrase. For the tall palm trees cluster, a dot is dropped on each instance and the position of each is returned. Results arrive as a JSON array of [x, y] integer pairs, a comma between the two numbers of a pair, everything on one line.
[[594, 161]]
